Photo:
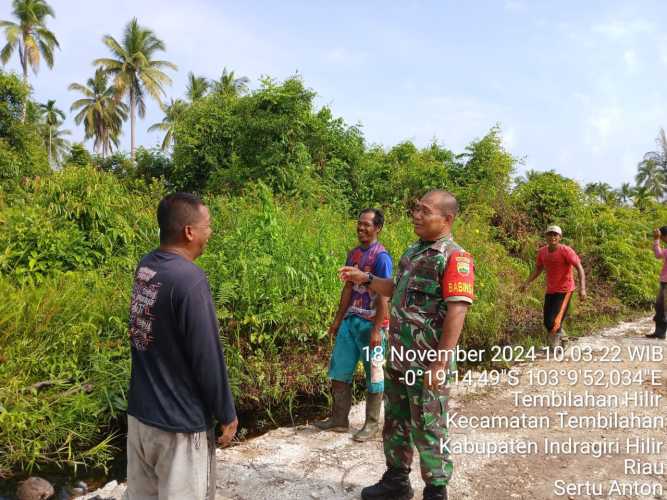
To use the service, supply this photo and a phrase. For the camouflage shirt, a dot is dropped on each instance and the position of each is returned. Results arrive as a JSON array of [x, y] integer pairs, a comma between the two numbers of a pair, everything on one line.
[[430, 274]]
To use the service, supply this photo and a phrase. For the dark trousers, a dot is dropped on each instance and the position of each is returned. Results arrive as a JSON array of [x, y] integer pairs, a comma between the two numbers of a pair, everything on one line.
[[555, 310], [660, 317]]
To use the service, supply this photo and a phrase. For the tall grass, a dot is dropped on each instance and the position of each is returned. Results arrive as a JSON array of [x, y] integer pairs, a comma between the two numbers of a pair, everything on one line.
[[64, 368]]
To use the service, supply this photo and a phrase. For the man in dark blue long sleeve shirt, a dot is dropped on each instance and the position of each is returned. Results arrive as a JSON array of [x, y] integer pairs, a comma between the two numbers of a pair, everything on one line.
[[179, 380]]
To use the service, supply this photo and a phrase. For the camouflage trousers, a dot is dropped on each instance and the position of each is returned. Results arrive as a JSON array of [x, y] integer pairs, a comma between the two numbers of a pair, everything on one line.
[[415, 415]]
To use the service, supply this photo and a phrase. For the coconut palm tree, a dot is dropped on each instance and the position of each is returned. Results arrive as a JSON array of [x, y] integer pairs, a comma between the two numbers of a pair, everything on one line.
[[625, 193], [651, 176], [30, 36], [171, 113], [659, 157], [197, 87], [602, 192], [100, 111], [228, 84], [652, 170], [58, 146], [52, 117], [641, 198], [134, 70]]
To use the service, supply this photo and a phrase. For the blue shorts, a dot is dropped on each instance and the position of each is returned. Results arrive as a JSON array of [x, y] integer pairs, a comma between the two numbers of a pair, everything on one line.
[[352, 344]]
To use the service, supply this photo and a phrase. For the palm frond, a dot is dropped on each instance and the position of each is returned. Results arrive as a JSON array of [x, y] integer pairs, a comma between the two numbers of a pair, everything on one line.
[[77, 87], [6, 52], [48, 37], [159, 126], [115, 48], [47, 52], [8, 24]]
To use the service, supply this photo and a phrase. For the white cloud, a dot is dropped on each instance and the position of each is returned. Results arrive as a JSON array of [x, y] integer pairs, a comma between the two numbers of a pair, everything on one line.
[[509, 138], [617, 29], [629, 164], [630, 59], [601, 125]]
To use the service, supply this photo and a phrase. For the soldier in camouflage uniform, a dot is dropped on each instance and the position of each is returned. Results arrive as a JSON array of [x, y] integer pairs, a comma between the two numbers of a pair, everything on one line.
[[430, 297]]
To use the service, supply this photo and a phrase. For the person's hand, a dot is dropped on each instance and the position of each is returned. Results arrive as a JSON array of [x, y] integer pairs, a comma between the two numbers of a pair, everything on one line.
[[376, 338], [333, 329], [228, 432], [353, 274], [438, 374], [583, 294], [656, 234]]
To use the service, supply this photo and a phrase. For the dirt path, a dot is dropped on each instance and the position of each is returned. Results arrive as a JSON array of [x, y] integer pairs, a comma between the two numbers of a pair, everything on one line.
[[304, 463]]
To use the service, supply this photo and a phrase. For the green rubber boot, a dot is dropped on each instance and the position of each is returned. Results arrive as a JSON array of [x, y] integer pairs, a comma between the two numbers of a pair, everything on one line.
[[338, 421], [371, 427]]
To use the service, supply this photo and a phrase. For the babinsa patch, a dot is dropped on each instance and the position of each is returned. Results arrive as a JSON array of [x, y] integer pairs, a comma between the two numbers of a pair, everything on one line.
[[463, 264]]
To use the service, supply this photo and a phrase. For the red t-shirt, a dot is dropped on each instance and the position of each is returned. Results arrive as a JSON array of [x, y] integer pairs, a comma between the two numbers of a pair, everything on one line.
[[558, 266]]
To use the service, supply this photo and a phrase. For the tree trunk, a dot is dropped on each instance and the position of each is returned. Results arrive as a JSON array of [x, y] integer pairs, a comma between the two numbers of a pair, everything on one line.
[[102, 145], [101, 141], [24, 63], [50, 148], [133, 118]]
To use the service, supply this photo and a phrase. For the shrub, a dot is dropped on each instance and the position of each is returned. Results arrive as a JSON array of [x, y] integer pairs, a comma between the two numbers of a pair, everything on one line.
[[78, 218], [22, 153], [549, 198], [78, 156], [273, 135], [36, 244]]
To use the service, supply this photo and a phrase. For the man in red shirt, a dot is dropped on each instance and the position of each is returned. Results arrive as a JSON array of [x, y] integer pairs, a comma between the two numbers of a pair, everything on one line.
[[558, 261]]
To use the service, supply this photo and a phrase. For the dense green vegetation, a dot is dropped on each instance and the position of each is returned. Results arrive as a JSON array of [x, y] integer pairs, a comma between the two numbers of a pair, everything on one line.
[[285, 181], [69, 241]]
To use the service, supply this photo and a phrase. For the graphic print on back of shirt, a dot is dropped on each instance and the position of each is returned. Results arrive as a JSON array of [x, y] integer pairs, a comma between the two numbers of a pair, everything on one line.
[[144, 296]]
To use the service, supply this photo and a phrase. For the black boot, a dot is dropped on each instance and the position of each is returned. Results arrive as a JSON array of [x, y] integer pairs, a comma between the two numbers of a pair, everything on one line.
[[394, 485], [435, 492], [660, 329]]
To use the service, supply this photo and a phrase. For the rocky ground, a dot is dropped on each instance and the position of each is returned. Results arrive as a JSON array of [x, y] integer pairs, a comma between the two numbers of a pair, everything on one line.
[[304, 463]]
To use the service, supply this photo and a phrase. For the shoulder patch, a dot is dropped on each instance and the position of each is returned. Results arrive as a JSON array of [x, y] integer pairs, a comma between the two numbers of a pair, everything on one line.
[[459, 277], [462, 264]]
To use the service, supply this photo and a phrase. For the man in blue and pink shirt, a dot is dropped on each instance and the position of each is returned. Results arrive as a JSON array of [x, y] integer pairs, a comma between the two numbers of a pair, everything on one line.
[[360, 327], [660, 310]]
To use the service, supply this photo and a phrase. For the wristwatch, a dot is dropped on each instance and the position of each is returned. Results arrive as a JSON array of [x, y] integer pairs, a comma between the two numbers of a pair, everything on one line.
[[370, 279]]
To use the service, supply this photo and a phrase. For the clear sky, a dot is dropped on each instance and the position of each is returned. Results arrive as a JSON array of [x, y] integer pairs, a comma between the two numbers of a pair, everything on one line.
[[579, 87]]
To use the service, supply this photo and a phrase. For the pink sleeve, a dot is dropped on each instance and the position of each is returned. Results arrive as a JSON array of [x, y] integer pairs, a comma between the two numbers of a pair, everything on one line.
[[658, 251]]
